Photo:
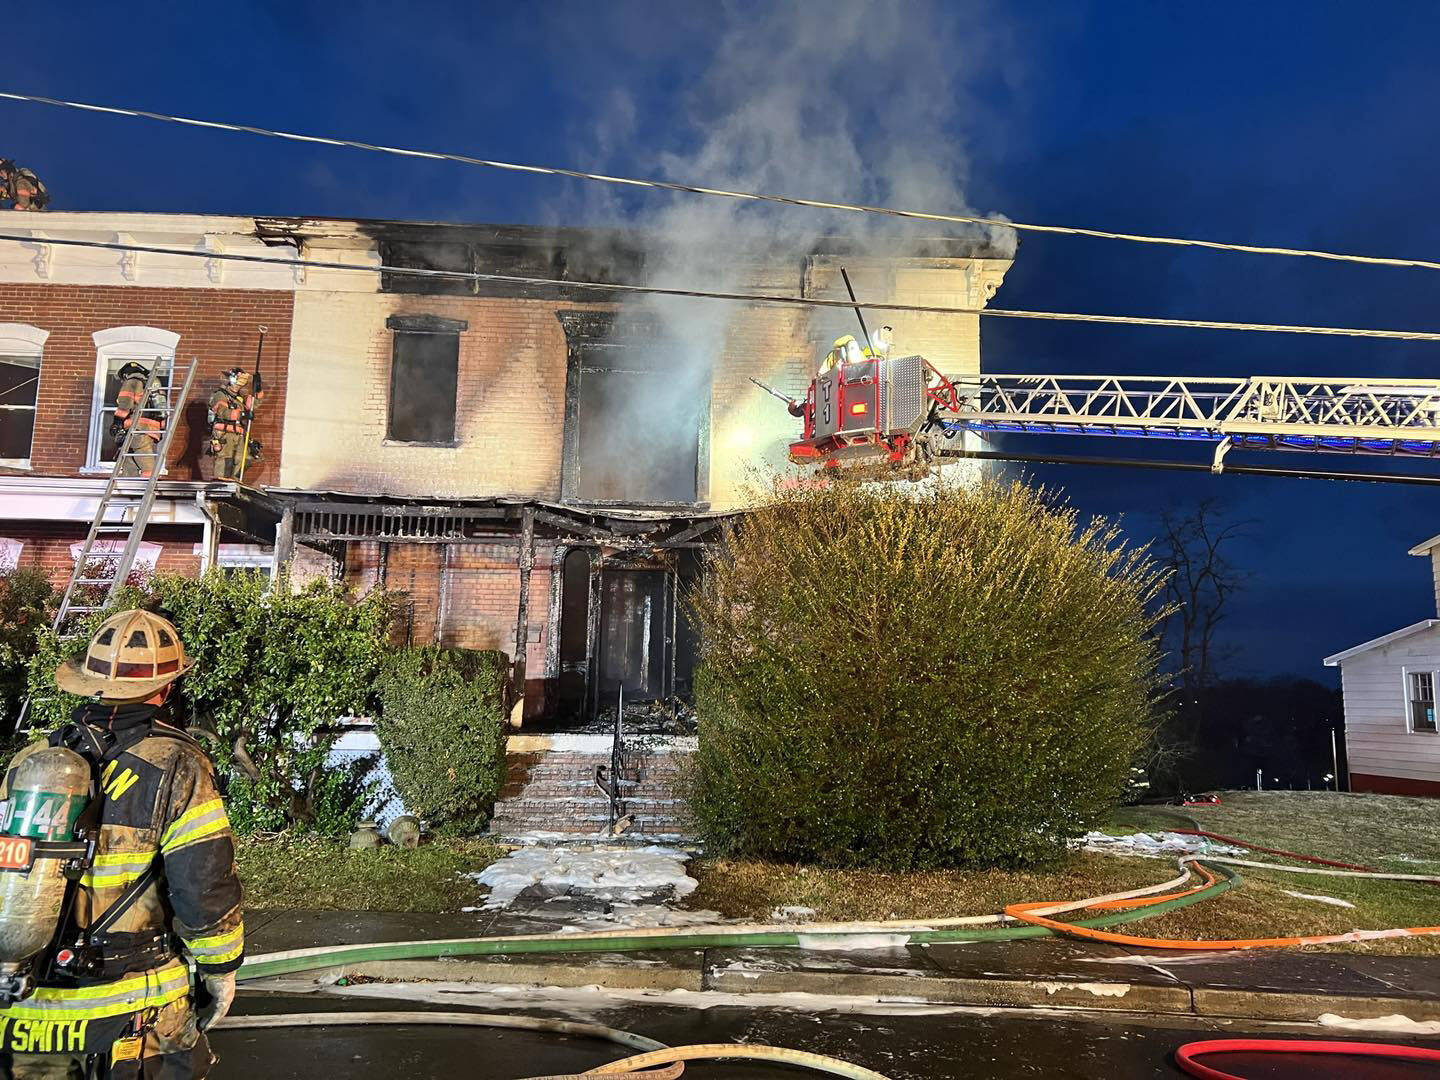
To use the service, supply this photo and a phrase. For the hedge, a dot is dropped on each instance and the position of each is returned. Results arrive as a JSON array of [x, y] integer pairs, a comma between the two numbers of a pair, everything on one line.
[[901, 679], [442, 731]]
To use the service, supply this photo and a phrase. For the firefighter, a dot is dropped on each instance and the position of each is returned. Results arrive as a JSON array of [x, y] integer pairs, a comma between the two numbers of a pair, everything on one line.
[[232, 407], [21, 188], [162, 887], [846, 350], [148, 421]]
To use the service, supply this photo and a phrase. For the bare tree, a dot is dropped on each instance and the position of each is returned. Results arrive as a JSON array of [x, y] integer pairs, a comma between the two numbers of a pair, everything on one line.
[[1193, 544]]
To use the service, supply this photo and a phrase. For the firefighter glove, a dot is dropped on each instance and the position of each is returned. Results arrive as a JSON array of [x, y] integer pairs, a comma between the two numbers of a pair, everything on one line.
[[117, 430], [221, 989]]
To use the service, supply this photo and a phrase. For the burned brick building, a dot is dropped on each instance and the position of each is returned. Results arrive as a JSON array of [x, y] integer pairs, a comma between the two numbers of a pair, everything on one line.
[[535, 464]]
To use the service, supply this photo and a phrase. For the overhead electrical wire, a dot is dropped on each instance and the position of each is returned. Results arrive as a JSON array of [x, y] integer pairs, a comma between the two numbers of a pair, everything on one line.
[[747, 196], [739, 297]]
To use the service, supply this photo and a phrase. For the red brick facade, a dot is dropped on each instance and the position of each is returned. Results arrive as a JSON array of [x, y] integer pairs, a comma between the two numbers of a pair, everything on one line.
[[47, 546], [217, 325]]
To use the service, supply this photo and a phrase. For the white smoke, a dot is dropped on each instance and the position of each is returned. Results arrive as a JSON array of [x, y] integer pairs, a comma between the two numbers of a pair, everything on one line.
[[842, 101]]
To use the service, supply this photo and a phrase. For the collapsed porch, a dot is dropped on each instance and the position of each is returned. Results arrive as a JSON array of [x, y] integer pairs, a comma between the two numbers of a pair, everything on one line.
[[586, 602]]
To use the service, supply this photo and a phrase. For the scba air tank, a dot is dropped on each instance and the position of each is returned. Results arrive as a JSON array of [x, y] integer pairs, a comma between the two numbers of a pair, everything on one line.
[[49, 789]]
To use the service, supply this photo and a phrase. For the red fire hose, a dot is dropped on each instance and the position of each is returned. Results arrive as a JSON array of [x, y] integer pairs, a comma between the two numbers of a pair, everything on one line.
[[1185, 1056]]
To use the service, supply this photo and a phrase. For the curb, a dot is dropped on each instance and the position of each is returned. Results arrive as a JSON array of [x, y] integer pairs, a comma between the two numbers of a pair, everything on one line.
[[688, 970]]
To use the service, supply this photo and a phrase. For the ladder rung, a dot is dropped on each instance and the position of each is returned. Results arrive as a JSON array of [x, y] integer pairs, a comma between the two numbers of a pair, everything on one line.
[[94, 581]]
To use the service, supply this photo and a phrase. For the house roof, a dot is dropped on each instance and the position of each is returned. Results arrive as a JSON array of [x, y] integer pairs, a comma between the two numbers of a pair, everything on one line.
[[1423, 548], [1379, 642]]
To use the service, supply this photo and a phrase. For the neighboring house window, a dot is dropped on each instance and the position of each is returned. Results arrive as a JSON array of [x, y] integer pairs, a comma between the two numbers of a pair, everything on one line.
[[1422, 701], [424, 377], [114, 348], [109, 551], [21, 347]]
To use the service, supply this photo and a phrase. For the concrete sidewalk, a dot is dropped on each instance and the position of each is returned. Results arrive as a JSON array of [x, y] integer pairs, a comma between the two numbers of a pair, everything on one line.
[[1253, 984]]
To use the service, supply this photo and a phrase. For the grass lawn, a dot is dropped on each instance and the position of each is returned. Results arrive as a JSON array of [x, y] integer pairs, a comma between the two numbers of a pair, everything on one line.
[[308, 872], [1388, 832], [1391, 833], [749, 889]]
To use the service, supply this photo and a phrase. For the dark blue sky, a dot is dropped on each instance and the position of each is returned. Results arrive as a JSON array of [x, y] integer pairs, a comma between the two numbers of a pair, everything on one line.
[[1301, 124]]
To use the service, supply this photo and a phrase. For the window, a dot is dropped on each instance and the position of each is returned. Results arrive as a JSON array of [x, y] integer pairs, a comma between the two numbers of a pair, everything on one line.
[[424, 376], [114, 348], [1422, 701], [637, 409], [20, 350], [233, 559]]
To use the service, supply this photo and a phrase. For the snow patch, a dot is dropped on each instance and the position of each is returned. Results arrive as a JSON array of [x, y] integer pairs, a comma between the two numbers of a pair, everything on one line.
[[1155, 845], [1332, 900], [1098, 989], [615, 873], [792, 913], [1395, 1023]]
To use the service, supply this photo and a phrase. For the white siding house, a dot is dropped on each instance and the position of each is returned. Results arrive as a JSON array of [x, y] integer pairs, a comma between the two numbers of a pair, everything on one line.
[[1392, 736]]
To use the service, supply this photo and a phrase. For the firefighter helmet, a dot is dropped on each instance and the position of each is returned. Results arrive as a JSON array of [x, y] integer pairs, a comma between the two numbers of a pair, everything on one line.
[[132, 655], [131, 368]]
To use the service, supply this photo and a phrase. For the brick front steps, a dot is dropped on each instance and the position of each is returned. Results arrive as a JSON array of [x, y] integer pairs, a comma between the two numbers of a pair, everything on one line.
[[550, 788]]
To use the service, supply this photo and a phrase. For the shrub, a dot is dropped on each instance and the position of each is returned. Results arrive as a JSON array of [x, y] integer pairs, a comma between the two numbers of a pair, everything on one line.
[[905, 679], [273, 671], [442, 731], [25, 599]]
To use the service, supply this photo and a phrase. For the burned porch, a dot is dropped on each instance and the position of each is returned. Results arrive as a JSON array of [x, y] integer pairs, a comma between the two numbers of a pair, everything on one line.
[[586, 603]]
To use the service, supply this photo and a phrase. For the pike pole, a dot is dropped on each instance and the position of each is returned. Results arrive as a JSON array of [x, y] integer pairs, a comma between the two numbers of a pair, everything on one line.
[[254, 395]]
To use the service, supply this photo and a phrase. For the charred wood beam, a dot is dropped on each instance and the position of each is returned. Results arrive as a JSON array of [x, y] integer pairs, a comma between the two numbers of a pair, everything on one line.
[[694, 532]]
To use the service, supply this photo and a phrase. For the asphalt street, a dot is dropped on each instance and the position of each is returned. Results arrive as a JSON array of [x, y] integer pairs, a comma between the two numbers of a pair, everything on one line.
[[901, 1043]]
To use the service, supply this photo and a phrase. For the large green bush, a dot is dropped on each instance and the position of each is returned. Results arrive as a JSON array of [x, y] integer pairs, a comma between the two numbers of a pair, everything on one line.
[[442, 731], [274, 669], [901, 679], [25, 599]]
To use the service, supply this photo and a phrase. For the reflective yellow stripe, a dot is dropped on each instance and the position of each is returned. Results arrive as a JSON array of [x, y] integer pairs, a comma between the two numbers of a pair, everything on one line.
[[118, 869], [126, 858], [203, 820], [218, 948], [148, 990], [110, 881]]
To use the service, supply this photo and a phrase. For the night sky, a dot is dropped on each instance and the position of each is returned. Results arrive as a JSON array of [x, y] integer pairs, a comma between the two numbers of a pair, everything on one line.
[[1304, 124]]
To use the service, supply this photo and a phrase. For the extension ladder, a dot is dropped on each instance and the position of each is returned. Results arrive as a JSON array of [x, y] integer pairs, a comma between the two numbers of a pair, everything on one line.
[[162, 402]]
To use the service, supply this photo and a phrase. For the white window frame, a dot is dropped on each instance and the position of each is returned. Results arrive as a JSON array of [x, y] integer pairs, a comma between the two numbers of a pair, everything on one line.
[[242, 557], [141, 343], [1434, 674], [23, 340]]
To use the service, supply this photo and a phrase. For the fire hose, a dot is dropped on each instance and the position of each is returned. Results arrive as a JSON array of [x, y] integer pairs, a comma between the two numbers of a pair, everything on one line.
[[1185, 1056]]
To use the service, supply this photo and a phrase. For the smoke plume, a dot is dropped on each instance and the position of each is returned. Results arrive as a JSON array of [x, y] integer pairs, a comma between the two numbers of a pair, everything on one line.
[[844, 101]]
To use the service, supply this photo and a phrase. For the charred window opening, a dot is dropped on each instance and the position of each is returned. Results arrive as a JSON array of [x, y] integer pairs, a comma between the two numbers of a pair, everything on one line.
[[636, 416], [424, 377]]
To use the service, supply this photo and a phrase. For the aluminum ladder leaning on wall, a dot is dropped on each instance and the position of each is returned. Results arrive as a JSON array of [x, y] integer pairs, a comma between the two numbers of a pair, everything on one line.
[[162, 402], [157, 401]]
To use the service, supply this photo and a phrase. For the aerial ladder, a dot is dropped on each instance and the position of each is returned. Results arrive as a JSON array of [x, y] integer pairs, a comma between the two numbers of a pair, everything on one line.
[[902, 412]]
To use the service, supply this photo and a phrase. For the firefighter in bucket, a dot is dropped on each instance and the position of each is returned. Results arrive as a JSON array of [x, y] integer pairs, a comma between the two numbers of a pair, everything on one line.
[[116, 868]]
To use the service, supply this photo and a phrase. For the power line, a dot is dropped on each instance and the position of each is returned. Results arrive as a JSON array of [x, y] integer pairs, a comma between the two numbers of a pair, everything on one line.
[[740, 297], [749, 196]]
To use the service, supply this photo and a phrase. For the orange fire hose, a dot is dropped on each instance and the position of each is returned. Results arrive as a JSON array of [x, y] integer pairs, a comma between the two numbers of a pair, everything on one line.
[[1028, 913]]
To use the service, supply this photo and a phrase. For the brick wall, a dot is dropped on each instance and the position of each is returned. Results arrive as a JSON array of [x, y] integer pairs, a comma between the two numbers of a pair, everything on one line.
[[217, 325], [47, 546], [510, 408]]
